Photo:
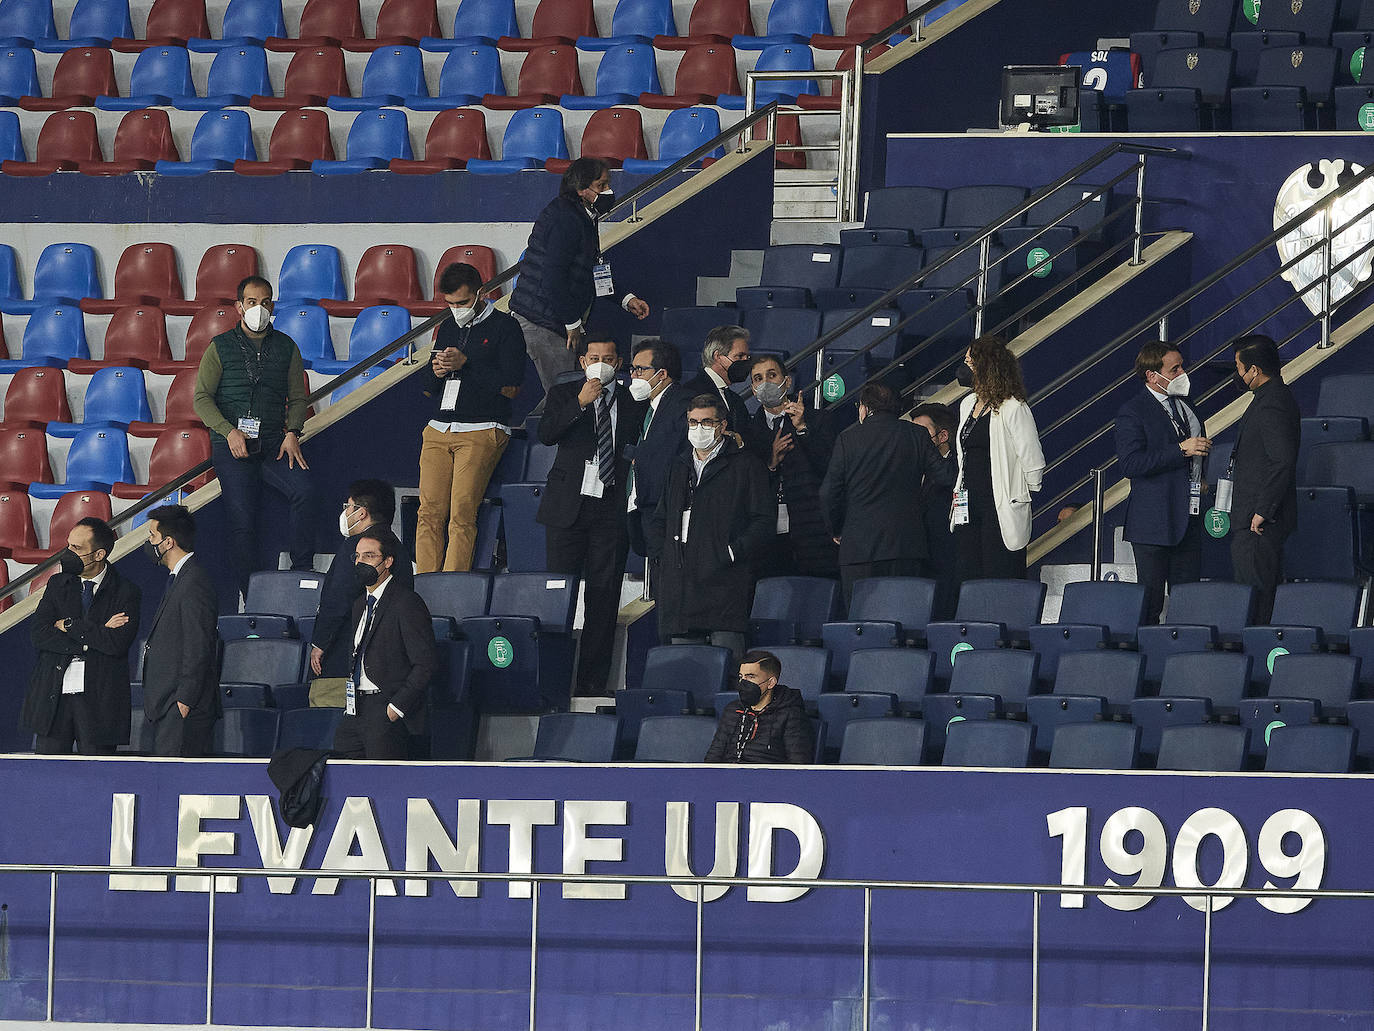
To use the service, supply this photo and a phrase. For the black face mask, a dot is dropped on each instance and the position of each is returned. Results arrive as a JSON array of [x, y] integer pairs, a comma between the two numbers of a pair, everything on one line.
[[604, 203], [367, 575], [749, 692], [964, 375], [154, 556], [70, 561], [739, 372], [1240, 381]]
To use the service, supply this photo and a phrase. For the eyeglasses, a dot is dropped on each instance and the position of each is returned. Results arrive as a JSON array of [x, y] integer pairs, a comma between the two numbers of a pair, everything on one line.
[[710, 424], [638, 370], [369, 555]]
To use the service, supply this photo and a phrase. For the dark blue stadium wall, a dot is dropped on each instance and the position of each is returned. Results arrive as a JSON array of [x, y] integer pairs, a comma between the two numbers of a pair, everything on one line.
[[381, 438]]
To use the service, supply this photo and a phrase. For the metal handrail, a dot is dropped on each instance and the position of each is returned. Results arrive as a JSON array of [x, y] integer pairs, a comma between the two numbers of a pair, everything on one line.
[[916, 20]]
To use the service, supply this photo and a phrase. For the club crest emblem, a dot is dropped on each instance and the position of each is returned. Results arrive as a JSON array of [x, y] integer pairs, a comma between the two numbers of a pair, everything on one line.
[[1296, 58], [1192, 61], [1349, 234]]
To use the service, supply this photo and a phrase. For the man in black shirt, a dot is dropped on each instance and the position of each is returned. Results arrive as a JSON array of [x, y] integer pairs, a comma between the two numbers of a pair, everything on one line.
[[475, 369], [769, 723]]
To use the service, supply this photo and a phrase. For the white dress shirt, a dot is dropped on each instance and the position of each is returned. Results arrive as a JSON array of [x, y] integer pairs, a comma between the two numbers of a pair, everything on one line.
[[74, 679]]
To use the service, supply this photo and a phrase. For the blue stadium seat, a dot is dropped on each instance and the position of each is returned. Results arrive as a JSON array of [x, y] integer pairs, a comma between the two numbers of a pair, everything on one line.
[[1095, 746], [161, 77], [477, 23], [1206, 748], [525, 550], [683, 131], [789, 21], [1345, 463], [1262, 716], [1352, 107], [236, 74], [904, 672], [308, 325], [989, 611], [1148, 44], [1311, 749], [1307, 617], [900, 604], [353, 384], [883, 742], [467, 76], [18, 75], [391, 75], [1292, 90], [1216, 603], [374, 139], [804, 669], [866, 273], [1210, 18], [308, 728], [674, 739], [247, 23], [1093, 615], [220, 139], [373, 329], [776, 329], [54, 333], [634, 21], [1329, 679], [633, 706], [242, 626], [234, 695], [960, 271], [65, 273], [1249, 45], [1347, 394], [1328, 429], [936, 313], [686, 329], [898, 210], [1187, 91], [989, 743], [791, 274], [624, 73], [11, 149], [836, 709], [792, 609], [456, 595], [310, 272], [94, 23], [974, 207], [285, 593], [783, 58], [268, 661], [26, 22], [115, 397], [532, 137], [1157, 643], [701, 670], [1220, 677], [97, 459], [246, 733], [522, 657], [575, 737], [1362, 648]]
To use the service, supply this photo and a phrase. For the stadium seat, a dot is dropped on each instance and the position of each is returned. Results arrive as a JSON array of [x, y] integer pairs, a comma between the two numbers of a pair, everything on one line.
[[1095, 746], [532, 137], [16, 523], [9, 269], [454, 137], [299, 138], [170, 23], [142, 140], [792, 609], [54, 334], [243, 733], [624, 73], [1330, 680], [11, 149], [286, 593], [27, 22], [355, 383], [1205, 748], [372, 330], [1348, 394], [770, 329], [479, 256], [1328, 429], [900, 208], [1185, 697], [1316, 748], [36, 396], [837, 709], [989, 743], [880, 613], [18, 75], [683, 132], [161, 76], [523, 651], [1345, 464], [1114, 676], [988, 612], [546, 74], [23, 458], [71, 508], [65, 273], [1216, 603], [400, 23], [251, 626], [314, 75], [781, 58], [904, 672], [223, 266], [702, 670], [145, 275], [374, 139], [94, 23], [883, 742], [711, 21], [612, 134], [206, 324], [789, 21], [237, 74], [1210, 18], [176, 450], [476, 23], [115, 397], [674, 739], [220, 139], [705, 72], [291, 696], [1187, 91], [97, 459], [392, 74], [634, 21], [1249, 45], [871, 270], [864, 18], [556, 23], [455, 595], [247, 23], [467, 76], [1093, 614], [308, 728], [264, 661], [245, 696], [792, 273], [1262, 716], [324, 23], [308, 325], [632, 707], [1292, 90], [310, 272], [1331, 541], [686, 329], [1005, 675], [386, 275], [1308, 616]]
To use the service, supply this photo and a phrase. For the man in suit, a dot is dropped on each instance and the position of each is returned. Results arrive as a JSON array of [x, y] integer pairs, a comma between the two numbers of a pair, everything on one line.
[[1264, 472], [393, 656], [592, 421], [370, 503], [942, 554], [180, 664], [1162, 450], [874, 486], [85, 623], [795, 445], [655, 375], [725, 360]]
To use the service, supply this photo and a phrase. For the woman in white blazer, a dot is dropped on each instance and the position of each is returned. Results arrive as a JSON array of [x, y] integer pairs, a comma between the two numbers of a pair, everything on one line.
[[1000, 464]]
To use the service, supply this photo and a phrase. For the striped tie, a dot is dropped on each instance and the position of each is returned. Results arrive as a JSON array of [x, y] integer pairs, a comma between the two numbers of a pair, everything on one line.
[[605, 446]]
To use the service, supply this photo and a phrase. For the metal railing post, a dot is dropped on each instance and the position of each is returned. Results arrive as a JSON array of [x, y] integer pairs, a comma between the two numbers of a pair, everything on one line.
[[210, 955], [1098, 494], [1138, 244], [1207, 964], [868, 957], [1035, 962], [696, 1020], [856, 100], [534, 947], [1326, 282], [847, 115], [52, 937], [820, 369], [984, 251], [371, 946]]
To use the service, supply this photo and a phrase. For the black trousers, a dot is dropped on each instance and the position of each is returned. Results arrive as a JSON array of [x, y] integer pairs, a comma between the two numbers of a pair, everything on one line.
[[187, 737], [1160, 564], [982, 555], [852, 572], [371, 734], [1257, 560], [74, 724], [594, 548]]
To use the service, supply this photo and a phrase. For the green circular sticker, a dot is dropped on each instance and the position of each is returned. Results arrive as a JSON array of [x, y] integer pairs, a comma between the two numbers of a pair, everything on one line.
[[833, 388], [1272, 656], [1270, 729], [1251, 10], [500, 652], [1365, 116], [1076, 127], [962, 646], [1356, 64], [1038, 262], [1218, 523]]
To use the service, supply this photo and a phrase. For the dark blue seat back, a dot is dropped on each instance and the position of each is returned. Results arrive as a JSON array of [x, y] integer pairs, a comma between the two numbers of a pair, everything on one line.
[[576, 736], [247, 733], [1095, 746], [1220, 677], [993, 743], [1113, 675], [1314, 748], [701, 670], [1350, 393], [978, 206], [883, 742], [804, 669], [1211, 18], [905, 672], [1209, 747], [780, 328], [1327, 678], [550, 597], [905, 207], [1206, 69], [1216, 603], [457, 595], [1115, 604], [264, 661], [674, 739], [803, 602], [1015, 603], [308, 728], [286, 592]]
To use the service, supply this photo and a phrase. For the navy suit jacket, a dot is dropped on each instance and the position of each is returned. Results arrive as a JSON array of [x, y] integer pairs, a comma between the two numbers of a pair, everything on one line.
[[1148, 453], [666, 439], [341, 590]]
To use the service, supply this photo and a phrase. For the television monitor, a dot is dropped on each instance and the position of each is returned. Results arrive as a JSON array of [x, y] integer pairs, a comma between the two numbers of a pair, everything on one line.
[[1039, 96]]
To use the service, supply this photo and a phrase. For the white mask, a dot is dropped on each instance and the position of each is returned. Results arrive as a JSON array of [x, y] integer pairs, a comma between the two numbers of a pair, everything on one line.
[[603, 371], [1178, 386], [640, 389], [257, 318], [703, 438], [463, 316], [344, 528]]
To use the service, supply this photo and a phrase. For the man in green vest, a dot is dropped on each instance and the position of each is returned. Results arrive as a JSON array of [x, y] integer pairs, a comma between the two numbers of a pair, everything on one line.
[[250, 393]]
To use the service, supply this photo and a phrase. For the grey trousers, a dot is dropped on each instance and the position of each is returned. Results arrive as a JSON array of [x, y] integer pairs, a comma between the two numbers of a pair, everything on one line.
[[548, 350]]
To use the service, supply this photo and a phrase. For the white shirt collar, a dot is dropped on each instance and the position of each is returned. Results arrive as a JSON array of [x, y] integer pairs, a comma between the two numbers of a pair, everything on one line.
[[177, 568], [376, 592], [97, 580], [716, 379]]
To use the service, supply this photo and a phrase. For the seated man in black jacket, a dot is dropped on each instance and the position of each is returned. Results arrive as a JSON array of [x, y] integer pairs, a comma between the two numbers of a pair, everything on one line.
[[768, 725]]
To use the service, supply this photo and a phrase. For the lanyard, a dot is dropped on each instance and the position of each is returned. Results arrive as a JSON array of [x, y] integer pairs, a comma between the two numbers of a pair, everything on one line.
[[252, 360]]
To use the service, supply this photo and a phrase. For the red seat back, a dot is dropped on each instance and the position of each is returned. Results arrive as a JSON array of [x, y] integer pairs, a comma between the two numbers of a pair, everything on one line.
[[222, 268], [147, 269], [726, 18], [708, 68], [387, 274], [16, 522], [85, 72], [177, 451], [37, 395], [206, 324], [483, 259], [301, 136], [788, 130], [146, 136], [71, 508], [69, 136], [459, 133], [550, 70], [566, 19], [181, 396], [331, 19], [24, 456], [615, 133], [413, 19], [316, 73], [176, 21], [139, 333], [867, 17]]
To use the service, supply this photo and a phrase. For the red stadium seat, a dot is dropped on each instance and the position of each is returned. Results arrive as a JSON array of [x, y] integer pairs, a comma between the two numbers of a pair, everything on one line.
[[711, 21], [612, 134], [36, 396], [136, 337], [16, 523], [483, 259], [788, 130], [24, 457], [556, 22], [146, 274], [71, 507], [170, 23], [40, 581], [179, 411], [175, 451], [142, 140], [222, 268], [386, 275], [324, 23], [298, 138], [8, 599], [208, 323], [864, 18], [546, 75], [455, 136], [67, 139], [82, 74], [314, 75], [400, 23], [707, 71]]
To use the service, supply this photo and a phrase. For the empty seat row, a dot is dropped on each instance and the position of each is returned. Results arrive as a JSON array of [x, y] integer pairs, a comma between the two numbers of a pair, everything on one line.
[[98, 460]]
